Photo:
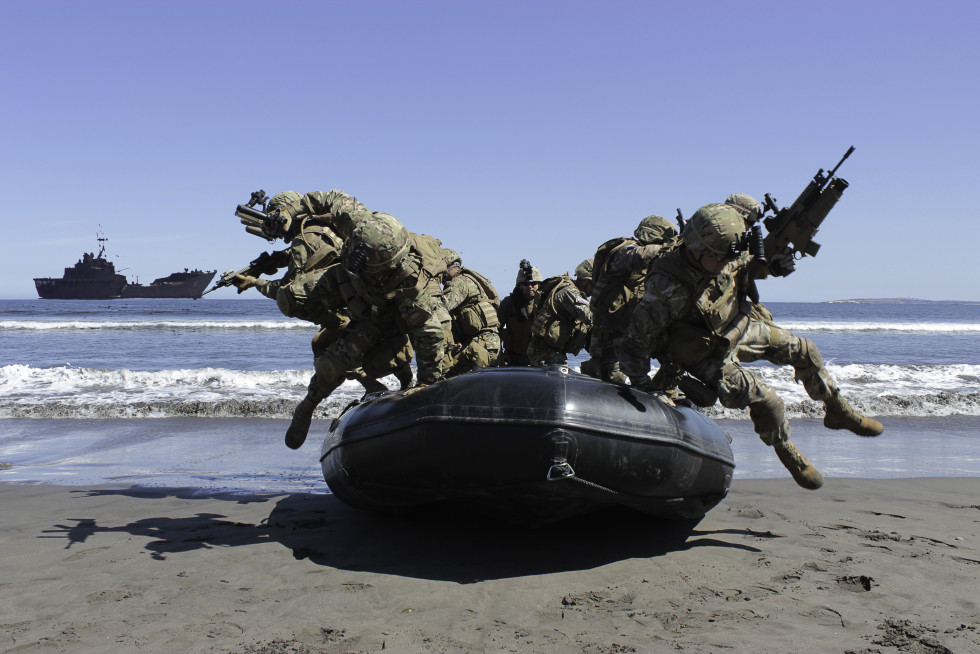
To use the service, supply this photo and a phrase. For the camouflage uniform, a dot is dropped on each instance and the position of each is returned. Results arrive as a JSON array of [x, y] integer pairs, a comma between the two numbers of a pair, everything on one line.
[[514, 315], [472, 302], [618, 276], [562, 318], [317, 225], [388, 285], [704, 323]]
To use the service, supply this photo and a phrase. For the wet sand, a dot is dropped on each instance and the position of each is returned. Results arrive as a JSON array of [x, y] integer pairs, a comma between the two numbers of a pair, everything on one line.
[[860, 566]]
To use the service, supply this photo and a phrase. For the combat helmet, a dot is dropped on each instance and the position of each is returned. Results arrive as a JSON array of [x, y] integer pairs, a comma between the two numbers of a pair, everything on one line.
[[528, 274], [283, 200], [282, 204], [716, 229], [377, 244], [654, 229], [452, 258], [746, 205], [584, 270]]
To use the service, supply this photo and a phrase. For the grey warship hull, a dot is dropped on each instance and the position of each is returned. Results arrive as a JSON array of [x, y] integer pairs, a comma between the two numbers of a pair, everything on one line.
[[93, 277]]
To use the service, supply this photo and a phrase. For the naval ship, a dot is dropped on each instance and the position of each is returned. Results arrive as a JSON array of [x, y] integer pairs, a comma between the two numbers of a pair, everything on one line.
[[93, 277]]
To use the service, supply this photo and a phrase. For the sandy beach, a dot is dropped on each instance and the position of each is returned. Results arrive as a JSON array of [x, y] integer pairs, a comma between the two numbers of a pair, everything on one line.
[[860, 566]]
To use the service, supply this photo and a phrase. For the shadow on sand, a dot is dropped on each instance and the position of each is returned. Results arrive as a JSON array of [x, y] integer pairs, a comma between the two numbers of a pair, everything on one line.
[[432, 545]]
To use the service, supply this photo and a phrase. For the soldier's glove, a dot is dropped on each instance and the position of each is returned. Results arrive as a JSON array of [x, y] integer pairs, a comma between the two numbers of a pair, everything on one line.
[[243, 282], [782, 264]]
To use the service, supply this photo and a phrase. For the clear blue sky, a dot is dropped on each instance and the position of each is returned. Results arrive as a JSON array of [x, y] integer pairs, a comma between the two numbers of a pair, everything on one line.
[[508, 129]]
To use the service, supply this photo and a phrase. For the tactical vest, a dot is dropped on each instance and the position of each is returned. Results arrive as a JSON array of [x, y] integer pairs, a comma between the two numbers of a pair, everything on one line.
[[556, 331], [715, 318], [419, 271], [479, 313]]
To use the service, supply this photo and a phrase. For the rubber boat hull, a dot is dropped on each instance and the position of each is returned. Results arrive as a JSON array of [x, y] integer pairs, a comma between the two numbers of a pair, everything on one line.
[[528, 444]]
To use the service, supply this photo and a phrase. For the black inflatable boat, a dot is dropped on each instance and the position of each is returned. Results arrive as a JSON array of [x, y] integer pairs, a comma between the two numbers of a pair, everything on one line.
[[529, 444]]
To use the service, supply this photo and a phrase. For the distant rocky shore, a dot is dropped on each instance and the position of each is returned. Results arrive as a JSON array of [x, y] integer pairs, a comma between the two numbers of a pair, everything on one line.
[[898, 300]]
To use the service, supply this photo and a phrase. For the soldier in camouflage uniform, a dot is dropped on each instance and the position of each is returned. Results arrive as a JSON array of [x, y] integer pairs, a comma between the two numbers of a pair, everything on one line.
[[472, 302], [618, 277], [695, 309], [388, 285], [316, 226], [515, 315], [562, 318]]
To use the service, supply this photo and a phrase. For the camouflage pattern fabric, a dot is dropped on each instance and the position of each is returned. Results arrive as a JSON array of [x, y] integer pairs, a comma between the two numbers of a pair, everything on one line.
[[514, 316], [412, 307], [708, 329], [472, 309], [619, 285], [561, 323]]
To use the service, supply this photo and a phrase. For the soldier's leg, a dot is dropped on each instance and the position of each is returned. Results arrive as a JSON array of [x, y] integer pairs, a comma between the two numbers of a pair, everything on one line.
[[637, 345], [605, 356], [770, 342], [370, 384], [330, 372], [541, 355], [739, 388], [393, 355], [325, 381], [403, 364]]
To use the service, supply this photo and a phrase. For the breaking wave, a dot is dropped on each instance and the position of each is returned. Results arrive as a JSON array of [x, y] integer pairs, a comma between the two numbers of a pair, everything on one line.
[[133, 325], [69, 392], [809, 326]]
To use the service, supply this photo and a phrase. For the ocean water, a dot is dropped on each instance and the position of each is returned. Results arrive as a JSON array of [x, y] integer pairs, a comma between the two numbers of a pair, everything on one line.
[[198, 393]]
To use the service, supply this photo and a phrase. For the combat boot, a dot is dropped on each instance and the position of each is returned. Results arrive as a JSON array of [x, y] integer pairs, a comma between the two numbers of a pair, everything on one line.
[[841, 415], [614, 374], [404, 377], [302, 419], [802, 470]]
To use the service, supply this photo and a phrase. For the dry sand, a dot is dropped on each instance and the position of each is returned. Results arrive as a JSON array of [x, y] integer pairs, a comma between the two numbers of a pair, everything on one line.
[[859, 566]]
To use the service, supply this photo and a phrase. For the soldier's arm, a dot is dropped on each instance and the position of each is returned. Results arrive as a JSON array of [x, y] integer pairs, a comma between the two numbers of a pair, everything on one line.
[[267, 288], [573, 306]]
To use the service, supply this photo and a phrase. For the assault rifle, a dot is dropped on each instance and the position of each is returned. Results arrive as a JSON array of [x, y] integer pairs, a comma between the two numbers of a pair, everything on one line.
[[266, 263], [269, 226], [680, 221], [791, 229]]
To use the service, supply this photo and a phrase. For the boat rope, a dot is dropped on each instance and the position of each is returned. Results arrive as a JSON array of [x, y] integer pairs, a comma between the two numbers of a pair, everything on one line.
[[563, 470]]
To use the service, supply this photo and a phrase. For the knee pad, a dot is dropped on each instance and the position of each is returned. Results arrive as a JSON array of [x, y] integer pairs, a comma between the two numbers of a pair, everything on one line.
[[329, 371], [809, 356], [737, 387], [810, 370]]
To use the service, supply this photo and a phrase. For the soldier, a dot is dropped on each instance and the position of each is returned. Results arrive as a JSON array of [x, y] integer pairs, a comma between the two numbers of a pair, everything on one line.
[[388, 284], [618, 277], [562, 318], [314, 226], [515, 316], [695, 309], [472, 302]]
